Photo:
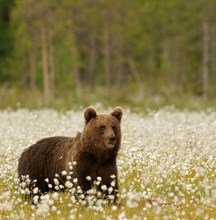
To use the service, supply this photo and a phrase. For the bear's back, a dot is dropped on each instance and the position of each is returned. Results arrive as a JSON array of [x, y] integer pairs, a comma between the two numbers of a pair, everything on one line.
[[45, 158]]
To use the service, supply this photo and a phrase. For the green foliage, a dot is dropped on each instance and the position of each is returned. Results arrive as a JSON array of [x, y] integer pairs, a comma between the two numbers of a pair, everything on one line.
[[6, 39], [148, 47]]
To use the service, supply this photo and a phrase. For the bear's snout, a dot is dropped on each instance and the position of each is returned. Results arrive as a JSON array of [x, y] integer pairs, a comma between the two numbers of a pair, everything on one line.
[[111, 142], [112, 139]]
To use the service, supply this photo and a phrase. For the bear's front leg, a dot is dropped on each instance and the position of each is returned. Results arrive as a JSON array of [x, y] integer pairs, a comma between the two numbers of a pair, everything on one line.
[[81, 181], [109, 182]]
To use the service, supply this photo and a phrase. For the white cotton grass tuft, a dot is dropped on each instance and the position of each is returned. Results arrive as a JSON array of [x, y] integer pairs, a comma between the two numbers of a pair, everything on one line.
[[64, 173], [88, 178]]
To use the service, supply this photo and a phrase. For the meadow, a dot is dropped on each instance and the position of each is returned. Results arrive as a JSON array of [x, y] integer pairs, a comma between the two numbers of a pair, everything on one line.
[[166, 164]]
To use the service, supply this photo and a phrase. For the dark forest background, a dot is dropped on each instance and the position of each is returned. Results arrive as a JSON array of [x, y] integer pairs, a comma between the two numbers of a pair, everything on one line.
[[148, 53]]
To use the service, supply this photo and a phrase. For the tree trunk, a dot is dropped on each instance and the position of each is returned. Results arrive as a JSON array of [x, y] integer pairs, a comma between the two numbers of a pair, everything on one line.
[[137, 77], [212, 63], [205, 60], [44, 51], [121, 77], [75, 56], [32, 62], [107, 48], [52, 63], [75, 67], [91, 59]]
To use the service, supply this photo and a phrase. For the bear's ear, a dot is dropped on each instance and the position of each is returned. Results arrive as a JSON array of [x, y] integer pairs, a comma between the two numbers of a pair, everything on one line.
[[117, 113], [89, 114]]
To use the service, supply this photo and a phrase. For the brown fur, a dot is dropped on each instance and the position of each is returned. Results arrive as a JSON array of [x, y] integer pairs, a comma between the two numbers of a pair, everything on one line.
[[95, 151]]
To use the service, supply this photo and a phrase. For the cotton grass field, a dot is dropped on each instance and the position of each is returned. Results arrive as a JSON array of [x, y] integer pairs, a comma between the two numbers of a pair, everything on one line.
[[167, 166]]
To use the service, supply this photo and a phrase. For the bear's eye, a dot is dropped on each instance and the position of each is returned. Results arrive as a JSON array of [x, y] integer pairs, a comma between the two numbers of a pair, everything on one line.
[[114, 127], [102, 127]]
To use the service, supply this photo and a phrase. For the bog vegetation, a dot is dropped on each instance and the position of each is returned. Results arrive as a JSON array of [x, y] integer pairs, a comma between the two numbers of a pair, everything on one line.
[[167, 167]]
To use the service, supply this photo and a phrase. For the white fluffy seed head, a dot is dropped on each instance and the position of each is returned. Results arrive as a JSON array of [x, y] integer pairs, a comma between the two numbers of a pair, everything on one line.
[[113, 183], [64, 173], [68, 184], [35, 190], [56, 182], [74, 163], [99, 179], [23, 185], [88, 178], [104, 187], [68, 177], [110, 190], [75, 180]]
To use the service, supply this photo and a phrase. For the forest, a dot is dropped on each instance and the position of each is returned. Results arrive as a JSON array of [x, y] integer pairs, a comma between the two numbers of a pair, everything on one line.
[[62, 53]]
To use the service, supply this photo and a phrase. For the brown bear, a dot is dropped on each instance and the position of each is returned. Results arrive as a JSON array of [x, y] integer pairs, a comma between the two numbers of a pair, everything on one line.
[[94, 152]]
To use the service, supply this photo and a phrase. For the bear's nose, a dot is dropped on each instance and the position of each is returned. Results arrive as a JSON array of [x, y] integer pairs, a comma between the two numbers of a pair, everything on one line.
[[112, 139]]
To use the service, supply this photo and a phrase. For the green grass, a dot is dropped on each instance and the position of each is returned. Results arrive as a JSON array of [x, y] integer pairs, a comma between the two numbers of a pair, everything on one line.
[[16, 97]]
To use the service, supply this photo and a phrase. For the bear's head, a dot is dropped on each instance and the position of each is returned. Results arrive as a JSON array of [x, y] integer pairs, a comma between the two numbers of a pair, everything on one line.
[[102, 133]]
